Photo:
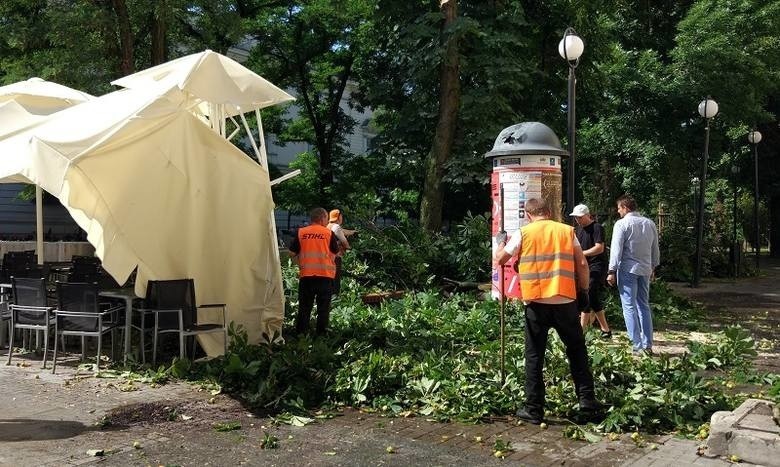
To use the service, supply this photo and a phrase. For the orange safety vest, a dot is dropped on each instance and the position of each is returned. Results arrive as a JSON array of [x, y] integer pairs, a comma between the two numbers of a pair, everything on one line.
[[546, 263], [315, 257]]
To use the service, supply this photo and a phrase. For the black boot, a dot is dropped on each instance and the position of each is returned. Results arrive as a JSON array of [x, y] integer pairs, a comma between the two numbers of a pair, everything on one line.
[[530, 417]]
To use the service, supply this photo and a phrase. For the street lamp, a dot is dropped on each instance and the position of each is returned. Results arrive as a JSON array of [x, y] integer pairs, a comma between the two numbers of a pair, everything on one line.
[[734, 244], [570, 48], [754, 137], [708, 108]]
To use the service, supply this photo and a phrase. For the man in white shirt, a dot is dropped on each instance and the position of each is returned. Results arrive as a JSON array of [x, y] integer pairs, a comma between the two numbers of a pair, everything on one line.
[[335, 219], [634, 255]]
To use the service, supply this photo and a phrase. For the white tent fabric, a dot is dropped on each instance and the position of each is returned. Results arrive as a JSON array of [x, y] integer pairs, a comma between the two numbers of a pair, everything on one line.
[[42, 97], [218, 88], [15, 129], [26, 103], [213, 79], [156, 188]]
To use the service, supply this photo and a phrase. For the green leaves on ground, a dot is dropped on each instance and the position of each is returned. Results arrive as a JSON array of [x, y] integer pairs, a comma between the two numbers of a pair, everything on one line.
[[269, 441], [438, 357], [227, 426]]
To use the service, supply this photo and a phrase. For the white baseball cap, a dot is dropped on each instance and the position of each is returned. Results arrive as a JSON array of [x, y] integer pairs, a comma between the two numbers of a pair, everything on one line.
[[580, 210]]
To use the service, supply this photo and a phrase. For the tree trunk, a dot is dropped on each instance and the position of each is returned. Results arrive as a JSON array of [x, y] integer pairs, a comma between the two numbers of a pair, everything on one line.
[[159, 29], [326, 128], [449, 101], [126, 62]]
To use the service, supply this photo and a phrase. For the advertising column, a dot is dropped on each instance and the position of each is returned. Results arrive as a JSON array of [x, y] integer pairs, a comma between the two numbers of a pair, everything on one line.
[[526, 164]]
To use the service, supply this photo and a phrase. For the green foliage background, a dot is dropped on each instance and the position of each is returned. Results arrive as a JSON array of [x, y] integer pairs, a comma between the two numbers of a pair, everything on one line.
[[646, 66]]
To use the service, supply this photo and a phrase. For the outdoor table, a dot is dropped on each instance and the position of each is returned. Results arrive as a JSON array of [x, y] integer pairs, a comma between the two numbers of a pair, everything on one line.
[[128, 295]]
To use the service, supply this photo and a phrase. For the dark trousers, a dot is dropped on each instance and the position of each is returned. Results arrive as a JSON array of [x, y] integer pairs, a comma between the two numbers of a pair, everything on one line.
[[337, 280], [309, 290], [565, 319]]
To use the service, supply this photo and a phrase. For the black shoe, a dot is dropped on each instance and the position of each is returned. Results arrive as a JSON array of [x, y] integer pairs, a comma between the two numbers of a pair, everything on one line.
[[591, 405], [590, 412], [606, 334], [526, 416]]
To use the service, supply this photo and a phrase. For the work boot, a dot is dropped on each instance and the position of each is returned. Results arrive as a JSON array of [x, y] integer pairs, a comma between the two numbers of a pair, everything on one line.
[[591, 405], [591, 411], [525, 415]]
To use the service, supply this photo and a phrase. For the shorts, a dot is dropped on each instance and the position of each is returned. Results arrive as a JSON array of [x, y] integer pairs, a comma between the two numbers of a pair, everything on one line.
[[594, 292]]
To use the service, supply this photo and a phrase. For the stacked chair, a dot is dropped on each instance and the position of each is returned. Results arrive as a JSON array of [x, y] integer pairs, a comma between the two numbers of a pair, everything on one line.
[[84, 269], [17, 264]]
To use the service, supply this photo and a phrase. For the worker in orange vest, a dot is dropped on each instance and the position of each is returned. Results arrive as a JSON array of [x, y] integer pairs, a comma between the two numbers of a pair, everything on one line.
[[313, 249], [553, 274]]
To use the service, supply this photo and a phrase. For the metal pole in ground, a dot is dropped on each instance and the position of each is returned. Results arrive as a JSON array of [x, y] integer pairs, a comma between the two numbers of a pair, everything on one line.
[[501, 289], [734, 241], [708, 108], [754, 137], [757, 234]]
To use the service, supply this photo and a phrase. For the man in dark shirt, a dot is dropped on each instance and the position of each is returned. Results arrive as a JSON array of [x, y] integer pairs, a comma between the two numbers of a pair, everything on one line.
[[590, 234]]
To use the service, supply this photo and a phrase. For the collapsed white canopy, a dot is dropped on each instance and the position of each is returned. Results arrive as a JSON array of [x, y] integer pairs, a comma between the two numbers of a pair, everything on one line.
[[26, 104], [155, 188], [211, 78], [42, 97], [16, 124]]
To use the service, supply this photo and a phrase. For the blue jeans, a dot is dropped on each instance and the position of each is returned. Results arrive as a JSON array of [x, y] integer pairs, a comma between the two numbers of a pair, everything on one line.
[[635, 297]]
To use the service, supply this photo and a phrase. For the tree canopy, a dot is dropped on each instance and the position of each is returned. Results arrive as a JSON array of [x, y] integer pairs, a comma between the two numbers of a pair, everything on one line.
[[645, 68]]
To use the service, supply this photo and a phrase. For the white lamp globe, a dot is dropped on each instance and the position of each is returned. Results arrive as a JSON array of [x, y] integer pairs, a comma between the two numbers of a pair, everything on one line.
[[708, 108], [754, 137], [571, 47]]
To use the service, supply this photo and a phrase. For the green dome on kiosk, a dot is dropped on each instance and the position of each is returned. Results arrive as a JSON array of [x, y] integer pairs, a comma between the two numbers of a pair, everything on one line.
[[528, 138]]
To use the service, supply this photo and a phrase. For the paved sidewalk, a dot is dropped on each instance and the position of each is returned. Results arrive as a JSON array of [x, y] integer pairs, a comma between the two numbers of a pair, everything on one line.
[[750, 302], [50, 420]]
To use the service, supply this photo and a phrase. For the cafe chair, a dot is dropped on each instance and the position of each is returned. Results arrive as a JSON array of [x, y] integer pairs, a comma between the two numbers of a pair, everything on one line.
[[172, 303], [30, 310], [78, 313]]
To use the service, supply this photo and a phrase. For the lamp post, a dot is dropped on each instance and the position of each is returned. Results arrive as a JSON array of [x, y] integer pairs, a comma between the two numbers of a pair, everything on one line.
[[708, 108], [754, 137], [734, 248], [570, 48]]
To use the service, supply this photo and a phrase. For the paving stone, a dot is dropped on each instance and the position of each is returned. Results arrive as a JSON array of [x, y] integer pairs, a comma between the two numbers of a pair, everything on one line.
[[748, 432]]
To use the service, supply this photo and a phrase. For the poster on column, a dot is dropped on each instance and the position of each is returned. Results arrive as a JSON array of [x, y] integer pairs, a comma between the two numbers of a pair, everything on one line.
[[514, 181], [517, 187]]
